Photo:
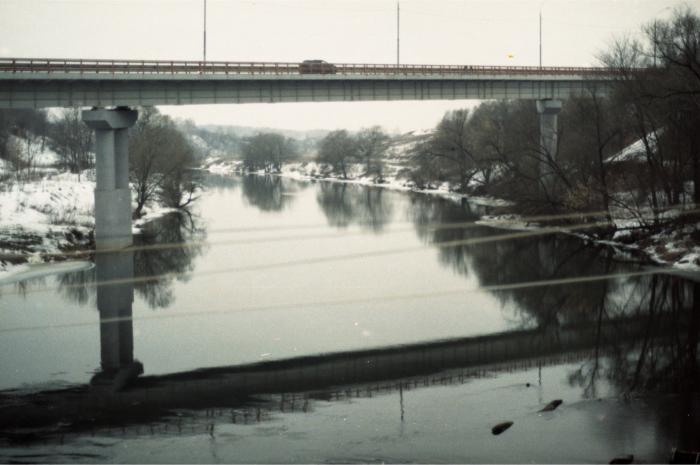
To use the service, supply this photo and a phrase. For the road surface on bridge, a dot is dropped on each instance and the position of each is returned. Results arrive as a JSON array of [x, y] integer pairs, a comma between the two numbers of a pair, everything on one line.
[[37, 83]]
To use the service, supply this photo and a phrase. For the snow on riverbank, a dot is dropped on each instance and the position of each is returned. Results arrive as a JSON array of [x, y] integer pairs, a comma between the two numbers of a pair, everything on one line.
[[676, 248], [312, 171], [49, 215]]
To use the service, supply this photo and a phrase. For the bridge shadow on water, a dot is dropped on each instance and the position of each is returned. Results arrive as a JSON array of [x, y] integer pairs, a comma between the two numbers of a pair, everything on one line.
[[651, 349]]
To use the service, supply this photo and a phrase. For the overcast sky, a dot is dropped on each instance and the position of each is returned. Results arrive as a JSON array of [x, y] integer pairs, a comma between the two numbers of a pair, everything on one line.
[[488, 32]]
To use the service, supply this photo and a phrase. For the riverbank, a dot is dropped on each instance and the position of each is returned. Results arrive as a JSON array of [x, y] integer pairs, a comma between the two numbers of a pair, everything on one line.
[[676, 248], [392, 179], [53, 213]]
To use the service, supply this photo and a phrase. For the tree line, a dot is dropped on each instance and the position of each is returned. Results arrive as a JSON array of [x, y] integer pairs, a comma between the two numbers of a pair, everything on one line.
[[634, 148], [653, 102], [25, 133], [336, 152]]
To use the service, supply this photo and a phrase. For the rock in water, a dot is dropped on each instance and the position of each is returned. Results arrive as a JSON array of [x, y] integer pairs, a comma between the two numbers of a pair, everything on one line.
[[623, 459], [552, 405], [501, 427]]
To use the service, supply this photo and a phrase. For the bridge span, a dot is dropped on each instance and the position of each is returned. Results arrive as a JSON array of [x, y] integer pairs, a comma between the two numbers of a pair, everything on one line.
[[37, 83]]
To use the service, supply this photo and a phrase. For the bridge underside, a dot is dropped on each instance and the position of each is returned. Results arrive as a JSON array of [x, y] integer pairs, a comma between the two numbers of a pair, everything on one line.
[[101, 92]]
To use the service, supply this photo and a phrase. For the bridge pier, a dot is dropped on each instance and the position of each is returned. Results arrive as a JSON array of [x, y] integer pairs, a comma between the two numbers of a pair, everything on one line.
[[548, 110], [112, 193]]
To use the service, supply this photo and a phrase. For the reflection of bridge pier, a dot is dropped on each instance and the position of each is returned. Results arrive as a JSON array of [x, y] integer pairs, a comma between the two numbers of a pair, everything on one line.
[[115, 296]]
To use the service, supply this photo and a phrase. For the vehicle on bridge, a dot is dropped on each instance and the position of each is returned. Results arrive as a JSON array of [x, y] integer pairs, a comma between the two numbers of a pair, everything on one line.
[[316, 67]]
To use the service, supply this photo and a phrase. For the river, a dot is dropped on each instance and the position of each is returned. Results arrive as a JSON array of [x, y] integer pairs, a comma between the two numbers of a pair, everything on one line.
[[289, 321]]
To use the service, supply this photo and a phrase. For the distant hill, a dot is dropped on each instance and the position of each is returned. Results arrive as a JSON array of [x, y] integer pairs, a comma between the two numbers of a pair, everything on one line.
[[245, 131]]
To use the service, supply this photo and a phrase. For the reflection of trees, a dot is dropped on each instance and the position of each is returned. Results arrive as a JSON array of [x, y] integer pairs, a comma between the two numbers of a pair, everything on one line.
[[177, 233], [518, 260], [428, 212], [644, 329], [344, 205], [220, 182], [335, 204], [660, 358], [75, 286], [268, 193], [168, 263]]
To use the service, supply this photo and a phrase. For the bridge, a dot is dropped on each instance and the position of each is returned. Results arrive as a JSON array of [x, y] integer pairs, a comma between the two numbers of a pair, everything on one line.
[[120, 84], [37, 83]]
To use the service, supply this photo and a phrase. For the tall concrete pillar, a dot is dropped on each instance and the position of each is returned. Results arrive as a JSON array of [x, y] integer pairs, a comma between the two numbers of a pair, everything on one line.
[[112, 194], [549, 111]]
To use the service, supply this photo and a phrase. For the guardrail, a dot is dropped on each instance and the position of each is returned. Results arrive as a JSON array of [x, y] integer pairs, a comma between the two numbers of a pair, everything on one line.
[[164, 67]]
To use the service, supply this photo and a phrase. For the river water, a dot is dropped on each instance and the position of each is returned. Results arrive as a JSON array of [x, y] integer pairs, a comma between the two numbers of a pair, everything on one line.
[[288, 321]]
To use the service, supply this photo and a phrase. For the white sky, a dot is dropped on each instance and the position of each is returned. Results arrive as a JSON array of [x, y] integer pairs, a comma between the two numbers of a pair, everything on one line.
[[432, 32]]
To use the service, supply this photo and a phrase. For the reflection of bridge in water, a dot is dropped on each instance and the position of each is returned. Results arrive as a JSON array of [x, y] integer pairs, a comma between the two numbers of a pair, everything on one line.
[[248, 393]]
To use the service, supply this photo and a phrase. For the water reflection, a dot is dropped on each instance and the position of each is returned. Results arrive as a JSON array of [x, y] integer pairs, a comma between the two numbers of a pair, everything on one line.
[[634, 338], [345, 205], [184, 240], [645, 350], [163, 254], [221, 183], [269, 193], [114, 302], [525, 259]]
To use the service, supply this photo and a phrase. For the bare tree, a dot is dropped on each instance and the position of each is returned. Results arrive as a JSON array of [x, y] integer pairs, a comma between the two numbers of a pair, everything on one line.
[[268, 151], [338, 149], [372, 144], [72, 140], [160, 159]]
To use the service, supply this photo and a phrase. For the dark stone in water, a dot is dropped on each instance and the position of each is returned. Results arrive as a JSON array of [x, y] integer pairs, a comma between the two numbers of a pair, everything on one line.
[[552, 405], [623, 459], [501, 427]]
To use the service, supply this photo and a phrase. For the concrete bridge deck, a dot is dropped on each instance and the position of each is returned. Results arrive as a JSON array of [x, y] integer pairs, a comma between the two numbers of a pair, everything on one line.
[[37, 83]]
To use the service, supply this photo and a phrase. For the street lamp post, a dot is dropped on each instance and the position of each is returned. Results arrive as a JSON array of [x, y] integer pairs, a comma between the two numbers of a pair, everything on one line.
[[540, 36], [398, 29]]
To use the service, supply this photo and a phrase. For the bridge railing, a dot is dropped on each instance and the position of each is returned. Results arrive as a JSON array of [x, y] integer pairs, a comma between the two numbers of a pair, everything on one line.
[[165, 67]]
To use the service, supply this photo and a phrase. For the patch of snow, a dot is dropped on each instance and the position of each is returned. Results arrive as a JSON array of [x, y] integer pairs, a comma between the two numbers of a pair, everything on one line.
[[151, 213], [635, 151]]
